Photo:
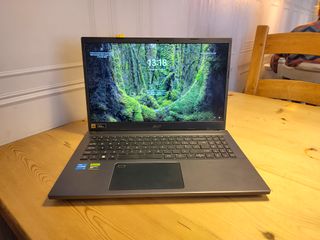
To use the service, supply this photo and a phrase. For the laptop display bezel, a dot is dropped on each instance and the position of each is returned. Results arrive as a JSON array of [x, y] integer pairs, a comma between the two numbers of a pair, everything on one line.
[[152, 126]]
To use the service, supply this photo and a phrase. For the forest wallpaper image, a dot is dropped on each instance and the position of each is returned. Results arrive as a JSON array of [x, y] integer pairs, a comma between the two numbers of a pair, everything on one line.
[[156, 82]]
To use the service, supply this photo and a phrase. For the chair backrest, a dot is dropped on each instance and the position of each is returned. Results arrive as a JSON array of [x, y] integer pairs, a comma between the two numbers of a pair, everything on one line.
[[292, 43]]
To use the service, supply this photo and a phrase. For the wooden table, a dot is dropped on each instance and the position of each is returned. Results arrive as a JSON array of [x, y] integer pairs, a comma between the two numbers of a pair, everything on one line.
[[281, 139]]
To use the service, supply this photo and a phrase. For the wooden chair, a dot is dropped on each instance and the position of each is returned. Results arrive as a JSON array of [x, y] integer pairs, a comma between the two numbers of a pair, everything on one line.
[[292, 43]]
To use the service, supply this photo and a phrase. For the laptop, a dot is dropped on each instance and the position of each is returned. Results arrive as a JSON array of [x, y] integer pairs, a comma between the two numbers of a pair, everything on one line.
[[156, 119]]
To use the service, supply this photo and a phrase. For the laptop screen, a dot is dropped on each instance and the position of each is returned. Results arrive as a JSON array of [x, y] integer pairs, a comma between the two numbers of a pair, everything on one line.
[[155, 82]]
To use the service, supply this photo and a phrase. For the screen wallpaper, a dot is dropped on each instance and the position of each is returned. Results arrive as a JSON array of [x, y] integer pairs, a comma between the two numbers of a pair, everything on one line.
[[155, 82]]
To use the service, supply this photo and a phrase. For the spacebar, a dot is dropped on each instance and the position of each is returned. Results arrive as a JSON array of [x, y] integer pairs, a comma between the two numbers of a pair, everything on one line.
[[148, 156]]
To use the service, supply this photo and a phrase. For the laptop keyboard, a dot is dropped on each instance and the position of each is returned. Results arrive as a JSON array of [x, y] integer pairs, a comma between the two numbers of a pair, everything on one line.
[[157, 147]]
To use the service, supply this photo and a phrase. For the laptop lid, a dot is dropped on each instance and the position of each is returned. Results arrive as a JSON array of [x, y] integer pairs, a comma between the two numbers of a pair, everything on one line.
[[156, 83]]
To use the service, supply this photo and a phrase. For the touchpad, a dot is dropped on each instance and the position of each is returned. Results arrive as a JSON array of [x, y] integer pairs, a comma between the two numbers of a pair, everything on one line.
[[138, 176]]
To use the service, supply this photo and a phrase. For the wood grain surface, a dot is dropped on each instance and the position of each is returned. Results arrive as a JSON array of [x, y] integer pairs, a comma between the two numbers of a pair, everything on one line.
[[278, 43], [280, 138], [300, 91], [257, 59]]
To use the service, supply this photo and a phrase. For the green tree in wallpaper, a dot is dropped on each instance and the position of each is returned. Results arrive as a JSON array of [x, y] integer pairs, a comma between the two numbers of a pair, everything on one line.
[[161, 82]]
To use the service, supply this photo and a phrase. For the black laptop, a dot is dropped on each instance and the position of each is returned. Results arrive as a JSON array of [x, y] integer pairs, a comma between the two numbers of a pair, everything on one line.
[[156, 118]]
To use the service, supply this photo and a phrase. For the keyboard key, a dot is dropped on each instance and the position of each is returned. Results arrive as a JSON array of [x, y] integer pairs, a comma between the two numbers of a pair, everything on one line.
[[191, 155], [84, 157], [210, 155], [149, 156], [180, 156], [205, 146], [225, 155], [199, 139], [196, 151], [206, 151]]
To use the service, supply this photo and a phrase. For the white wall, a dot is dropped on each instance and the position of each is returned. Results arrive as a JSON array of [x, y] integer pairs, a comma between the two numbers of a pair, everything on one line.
[[41, 80]]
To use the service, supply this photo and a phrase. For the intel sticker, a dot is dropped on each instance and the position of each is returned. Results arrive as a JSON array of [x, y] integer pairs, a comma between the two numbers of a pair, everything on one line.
[[81, 166]]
